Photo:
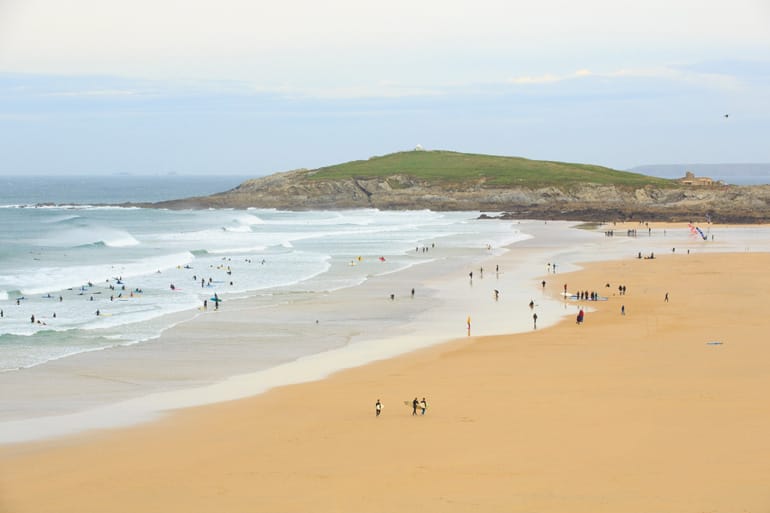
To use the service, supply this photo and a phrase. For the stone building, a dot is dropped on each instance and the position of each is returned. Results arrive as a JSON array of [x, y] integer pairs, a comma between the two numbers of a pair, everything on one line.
[[691, 179]]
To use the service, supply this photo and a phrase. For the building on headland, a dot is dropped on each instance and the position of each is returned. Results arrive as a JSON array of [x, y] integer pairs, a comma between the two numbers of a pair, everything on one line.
[[690, 179]]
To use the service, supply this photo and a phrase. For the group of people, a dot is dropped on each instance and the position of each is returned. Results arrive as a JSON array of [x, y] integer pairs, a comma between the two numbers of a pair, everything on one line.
[[422, 405]]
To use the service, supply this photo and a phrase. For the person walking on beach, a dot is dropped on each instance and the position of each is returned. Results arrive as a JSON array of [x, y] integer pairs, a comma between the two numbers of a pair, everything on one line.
[[622, 309], [377, 408], [415, 404], [423, 406], [666, 298]]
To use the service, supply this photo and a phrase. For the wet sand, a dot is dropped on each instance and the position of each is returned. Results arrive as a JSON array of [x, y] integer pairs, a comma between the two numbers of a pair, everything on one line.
[[661, 409]]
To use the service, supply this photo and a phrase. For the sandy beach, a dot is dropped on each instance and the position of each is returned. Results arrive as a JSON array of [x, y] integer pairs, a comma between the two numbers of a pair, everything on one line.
[[660, 409]]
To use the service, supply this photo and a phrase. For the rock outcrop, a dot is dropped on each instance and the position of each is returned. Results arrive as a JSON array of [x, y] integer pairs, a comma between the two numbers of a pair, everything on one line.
[[301, 190]]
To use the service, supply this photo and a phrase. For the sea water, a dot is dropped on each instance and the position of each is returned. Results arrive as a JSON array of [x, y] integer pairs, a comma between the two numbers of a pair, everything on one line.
[[75, 277]]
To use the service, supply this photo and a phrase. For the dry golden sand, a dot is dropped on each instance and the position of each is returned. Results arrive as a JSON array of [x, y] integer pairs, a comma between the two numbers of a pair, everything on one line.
[[634, 413]]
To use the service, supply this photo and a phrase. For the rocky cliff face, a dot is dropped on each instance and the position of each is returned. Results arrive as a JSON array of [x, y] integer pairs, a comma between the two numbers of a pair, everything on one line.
[[299, 190]]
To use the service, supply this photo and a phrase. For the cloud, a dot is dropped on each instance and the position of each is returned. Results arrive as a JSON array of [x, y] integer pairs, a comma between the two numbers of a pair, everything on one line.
[[662, 74], [549, 78], [301, 43], [97, 93]]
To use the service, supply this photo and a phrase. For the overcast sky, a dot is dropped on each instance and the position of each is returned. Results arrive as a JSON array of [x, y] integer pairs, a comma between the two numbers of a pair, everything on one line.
[[253, 87]]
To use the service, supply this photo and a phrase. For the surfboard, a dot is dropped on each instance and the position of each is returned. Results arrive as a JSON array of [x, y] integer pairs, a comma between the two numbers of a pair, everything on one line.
[[216, 299]]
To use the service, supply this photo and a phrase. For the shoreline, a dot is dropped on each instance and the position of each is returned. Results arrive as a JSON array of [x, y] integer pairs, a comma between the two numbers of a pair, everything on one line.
[[626, 413], [446, 301], [360, 334]]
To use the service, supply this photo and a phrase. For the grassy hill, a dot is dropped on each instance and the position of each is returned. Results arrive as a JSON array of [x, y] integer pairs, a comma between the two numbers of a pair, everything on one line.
[[453, 167]]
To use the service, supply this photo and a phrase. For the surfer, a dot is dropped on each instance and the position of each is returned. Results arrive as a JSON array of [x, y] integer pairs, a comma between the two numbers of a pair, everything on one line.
[[534, 320], [377, 408]]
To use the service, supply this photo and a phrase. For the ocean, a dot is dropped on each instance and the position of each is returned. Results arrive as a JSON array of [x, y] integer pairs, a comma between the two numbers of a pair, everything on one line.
[[76, 277]]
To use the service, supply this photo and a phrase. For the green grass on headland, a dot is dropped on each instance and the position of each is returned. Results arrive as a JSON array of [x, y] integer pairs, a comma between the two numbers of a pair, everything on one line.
[[493, 171]]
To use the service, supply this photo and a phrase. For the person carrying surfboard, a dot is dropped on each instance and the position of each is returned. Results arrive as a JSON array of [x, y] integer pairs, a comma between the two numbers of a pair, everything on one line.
[[423, 405]]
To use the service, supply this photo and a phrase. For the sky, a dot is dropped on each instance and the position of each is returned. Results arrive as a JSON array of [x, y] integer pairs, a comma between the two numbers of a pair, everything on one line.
[[254, 87]]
